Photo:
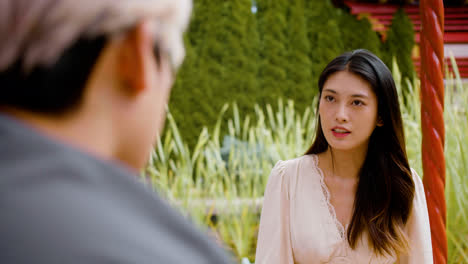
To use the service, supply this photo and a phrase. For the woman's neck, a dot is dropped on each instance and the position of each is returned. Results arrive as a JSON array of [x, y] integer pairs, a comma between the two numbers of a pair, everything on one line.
[[344, 164]]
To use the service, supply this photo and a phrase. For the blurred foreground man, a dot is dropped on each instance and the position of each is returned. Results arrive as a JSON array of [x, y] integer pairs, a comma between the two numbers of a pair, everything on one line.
[[83, 89]]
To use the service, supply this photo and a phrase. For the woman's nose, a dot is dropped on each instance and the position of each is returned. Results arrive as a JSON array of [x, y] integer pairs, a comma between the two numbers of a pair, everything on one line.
[[341, 114]]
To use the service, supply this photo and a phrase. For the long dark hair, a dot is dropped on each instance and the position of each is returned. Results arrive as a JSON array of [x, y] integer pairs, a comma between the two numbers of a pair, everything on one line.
[[385, 190]]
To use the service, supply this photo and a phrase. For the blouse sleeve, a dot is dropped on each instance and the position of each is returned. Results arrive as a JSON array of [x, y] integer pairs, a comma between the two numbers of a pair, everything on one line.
[[274, 238], [418, 228]]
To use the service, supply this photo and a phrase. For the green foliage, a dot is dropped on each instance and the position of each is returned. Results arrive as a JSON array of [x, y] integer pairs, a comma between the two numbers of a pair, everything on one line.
[[221, 64], [273, 50], [456, 142], [241, 56], [188, 88], [361, 36], [301, 88], [399, 44], [324, 35]]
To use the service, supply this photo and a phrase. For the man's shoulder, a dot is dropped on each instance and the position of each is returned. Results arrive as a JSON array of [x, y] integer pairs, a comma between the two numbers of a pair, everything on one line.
[[68, 213], [63, 206]]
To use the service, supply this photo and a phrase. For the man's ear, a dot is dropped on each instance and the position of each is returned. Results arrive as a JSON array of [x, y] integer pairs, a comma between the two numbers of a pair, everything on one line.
[[131, 59]]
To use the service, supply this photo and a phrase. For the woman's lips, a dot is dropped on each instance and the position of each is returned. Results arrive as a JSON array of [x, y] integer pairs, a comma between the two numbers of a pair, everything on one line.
[[340, 132]]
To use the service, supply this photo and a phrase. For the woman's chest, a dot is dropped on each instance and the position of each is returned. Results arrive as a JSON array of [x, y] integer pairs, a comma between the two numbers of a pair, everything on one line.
[[341, 200], [316, 234]]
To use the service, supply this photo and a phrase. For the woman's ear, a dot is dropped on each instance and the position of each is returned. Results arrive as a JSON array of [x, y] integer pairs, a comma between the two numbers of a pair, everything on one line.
[[380, 122]]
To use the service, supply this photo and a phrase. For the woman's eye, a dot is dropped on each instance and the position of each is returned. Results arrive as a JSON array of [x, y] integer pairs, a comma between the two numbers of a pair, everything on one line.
[[329, 98], [357, 103]]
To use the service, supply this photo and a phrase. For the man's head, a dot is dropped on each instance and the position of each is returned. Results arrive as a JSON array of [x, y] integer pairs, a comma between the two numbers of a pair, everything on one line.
[[94, 72]]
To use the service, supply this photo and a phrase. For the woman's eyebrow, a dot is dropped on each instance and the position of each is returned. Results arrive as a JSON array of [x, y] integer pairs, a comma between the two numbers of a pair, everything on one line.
[[360, 95], [330, 90]]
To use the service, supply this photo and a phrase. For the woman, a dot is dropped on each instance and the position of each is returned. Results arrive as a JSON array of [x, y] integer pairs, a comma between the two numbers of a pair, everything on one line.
[[352, 198]]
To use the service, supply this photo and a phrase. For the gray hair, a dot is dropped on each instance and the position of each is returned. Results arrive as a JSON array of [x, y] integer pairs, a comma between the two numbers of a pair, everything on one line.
[[39, 31]]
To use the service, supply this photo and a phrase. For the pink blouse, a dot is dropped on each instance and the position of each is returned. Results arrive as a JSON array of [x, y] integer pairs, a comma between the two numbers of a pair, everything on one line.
[[299, 225]]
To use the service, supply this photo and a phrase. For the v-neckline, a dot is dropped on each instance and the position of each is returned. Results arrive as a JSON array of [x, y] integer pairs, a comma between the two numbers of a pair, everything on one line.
[[340, 228]]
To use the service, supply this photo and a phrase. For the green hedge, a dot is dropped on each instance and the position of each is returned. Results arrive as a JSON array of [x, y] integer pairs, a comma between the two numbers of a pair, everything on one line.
[[399, 44], [236, 55]]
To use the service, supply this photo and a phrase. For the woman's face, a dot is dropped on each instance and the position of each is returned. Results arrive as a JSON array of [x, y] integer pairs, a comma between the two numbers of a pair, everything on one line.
[[348, 111]]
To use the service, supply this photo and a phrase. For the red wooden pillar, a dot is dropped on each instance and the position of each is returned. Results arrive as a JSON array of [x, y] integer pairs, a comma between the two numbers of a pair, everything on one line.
[[432, 121]]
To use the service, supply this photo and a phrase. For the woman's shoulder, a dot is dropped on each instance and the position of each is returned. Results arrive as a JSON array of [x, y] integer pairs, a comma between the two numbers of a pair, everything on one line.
[[288, 172], [418, 184], [292, 165], [416, 179]]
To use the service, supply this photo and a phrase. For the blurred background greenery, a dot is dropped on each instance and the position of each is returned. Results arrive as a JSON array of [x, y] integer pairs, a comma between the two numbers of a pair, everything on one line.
[[255, 52]]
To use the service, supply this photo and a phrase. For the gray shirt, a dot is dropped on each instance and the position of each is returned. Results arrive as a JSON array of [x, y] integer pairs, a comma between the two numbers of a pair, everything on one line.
[[59, 205]]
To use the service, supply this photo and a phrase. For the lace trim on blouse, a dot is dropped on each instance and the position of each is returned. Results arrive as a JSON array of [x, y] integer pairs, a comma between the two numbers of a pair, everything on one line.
[[326, 195]]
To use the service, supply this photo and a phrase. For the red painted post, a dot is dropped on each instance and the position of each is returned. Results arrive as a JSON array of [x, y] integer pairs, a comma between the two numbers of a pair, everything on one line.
[[432, 121]]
